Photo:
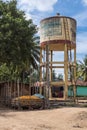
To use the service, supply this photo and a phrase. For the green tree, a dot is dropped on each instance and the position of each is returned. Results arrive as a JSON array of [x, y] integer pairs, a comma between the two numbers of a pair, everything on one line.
[[5, 73], [18, 40], [60, 77], [82, 69], [53, 75]]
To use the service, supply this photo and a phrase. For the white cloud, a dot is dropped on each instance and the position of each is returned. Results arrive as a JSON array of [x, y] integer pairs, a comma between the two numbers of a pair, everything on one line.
[[28, 6], [82, 43], [84, 2], [31, 6], [81, 18], [40, 5]]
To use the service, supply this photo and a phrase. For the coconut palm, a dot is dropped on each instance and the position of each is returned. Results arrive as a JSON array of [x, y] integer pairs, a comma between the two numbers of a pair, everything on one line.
[[82, 69]]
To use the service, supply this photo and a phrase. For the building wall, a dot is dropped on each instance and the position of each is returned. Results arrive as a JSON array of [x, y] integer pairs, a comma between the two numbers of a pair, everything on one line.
[[81, 91]]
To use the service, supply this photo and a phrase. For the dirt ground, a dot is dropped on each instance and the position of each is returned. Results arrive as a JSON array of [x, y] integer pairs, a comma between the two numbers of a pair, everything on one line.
[[67, 118]]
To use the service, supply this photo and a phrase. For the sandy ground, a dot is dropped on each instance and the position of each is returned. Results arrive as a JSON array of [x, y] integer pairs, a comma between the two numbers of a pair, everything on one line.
[[53, 119]]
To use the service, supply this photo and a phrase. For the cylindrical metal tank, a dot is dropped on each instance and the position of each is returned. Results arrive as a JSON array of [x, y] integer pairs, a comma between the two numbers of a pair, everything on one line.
[[58, 29]]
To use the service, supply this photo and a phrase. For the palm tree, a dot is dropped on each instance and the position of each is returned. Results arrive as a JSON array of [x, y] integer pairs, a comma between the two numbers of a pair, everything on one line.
[[82, 69], [34, 56], [30, 58]]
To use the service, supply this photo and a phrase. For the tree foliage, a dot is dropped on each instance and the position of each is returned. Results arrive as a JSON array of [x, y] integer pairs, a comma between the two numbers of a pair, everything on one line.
[[53, 75], [60, 77], [82, 69], [18, 40]]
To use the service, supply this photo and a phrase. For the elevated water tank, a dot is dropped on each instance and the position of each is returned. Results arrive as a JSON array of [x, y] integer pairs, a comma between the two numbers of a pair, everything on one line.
[[58, 51], [58, 29]]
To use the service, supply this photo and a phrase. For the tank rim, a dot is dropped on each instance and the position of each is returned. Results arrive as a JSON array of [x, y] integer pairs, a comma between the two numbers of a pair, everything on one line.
[[56, 17], [57, 42]]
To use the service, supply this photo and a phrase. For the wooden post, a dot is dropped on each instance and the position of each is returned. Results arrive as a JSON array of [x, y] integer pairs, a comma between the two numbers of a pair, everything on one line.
[[30, 88], [18, 93], [40, 88], [47, 69], [40, 64], [74, 74], [66, 72], [18, 87], [47, 76], [51, 66], [51, 73]]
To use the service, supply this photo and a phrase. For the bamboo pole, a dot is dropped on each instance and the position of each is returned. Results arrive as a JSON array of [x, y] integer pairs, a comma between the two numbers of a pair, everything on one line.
[[40, 89], [74, 74], [66, 72], [40, 64], [51, 65]]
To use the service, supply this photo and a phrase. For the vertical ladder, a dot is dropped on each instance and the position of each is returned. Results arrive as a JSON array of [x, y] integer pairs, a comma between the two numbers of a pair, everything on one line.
[[69, 53], [67, 37]]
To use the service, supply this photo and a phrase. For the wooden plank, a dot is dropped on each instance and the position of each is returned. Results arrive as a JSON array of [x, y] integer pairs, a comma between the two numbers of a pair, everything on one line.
[[56, 66]]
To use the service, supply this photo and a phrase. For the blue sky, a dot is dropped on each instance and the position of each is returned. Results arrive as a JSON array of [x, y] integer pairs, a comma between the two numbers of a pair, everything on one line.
[[40, 9], [77, 9]]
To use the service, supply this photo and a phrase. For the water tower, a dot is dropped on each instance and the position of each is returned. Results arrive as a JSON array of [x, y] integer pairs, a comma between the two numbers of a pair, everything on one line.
[[58, 34]]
